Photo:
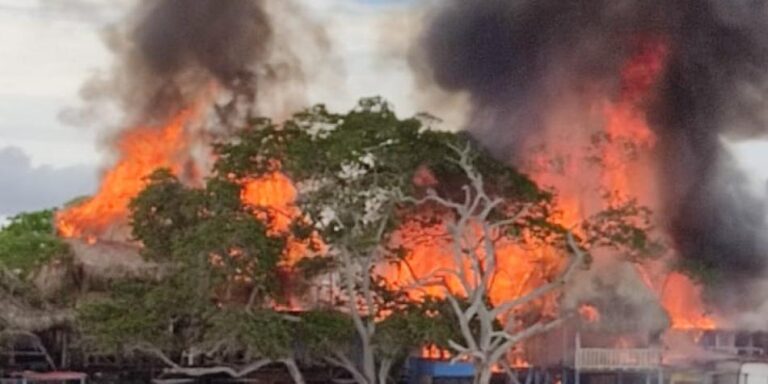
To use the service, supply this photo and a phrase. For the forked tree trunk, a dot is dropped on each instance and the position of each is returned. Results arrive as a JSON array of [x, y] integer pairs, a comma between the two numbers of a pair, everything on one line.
[[483, 374]]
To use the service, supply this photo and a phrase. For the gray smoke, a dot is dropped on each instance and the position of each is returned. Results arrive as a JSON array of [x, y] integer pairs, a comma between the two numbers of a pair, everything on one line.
[[214, 39], [513, 57], [170, 54]]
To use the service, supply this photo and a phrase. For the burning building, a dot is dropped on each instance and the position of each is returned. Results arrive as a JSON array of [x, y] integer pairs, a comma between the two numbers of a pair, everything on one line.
[[607, 102]]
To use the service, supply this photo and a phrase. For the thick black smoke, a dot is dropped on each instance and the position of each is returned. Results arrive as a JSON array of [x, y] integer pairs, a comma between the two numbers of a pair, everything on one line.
[[169, 53], [221, 37], [512, 56], [179, 46]]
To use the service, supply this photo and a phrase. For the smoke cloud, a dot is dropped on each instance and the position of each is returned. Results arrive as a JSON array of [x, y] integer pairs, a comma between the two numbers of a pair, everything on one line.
[[516, 60], [171, 54]]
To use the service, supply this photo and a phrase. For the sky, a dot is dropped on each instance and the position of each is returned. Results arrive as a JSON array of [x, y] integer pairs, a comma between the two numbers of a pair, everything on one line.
[[48, 48]]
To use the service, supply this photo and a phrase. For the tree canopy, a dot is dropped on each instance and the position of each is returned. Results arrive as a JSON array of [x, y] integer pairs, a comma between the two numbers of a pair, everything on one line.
[[359, 178], [29, 241]]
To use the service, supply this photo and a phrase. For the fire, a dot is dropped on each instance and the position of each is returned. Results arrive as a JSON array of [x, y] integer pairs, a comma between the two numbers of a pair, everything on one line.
[[682, 300], [141, 151], [589, 313], [623, 145], [626, 136], [429, 252], [275, 194], [626, 128], [274, 197], [434, 352]]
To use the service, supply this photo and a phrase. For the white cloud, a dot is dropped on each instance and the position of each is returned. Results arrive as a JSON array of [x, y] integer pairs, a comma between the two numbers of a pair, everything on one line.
[[752, 156], [24, 187], [374, 64], [45, 55]]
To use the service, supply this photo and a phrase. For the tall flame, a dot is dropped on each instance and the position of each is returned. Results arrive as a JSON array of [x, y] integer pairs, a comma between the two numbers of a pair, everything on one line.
[[624, 151], [626, 136], [141, 151], [682, 300]]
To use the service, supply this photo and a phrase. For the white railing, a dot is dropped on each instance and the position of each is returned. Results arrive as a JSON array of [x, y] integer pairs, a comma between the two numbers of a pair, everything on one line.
[[615, 359]]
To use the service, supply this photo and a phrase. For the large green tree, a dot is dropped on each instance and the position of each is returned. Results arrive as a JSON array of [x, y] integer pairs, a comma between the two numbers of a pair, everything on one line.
[[360, 177]]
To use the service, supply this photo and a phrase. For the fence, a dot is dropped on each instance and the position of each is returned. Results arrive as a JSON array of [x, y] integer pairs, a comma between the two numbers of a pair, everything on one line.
[[617, 359]]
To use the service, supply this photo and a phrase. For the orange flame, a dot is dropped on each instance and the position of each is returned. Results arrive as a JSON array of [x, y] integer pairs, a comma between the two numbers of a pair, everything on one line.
[[275, 194], [625, 153], [626, 127], [430, 252], [589, 313], [274, 197], [141, 151], [682, 300]]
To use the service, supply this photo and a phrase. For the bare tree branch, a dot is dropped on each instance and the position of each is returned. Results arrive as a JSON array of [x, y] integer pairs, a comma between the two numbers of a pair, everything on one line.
[[175, 368], [474, 249]]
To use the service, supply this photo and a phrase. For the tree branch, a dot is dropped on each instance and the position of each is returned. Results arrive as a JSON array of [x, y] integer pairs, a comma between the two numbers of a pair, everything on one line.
[[576, 261]]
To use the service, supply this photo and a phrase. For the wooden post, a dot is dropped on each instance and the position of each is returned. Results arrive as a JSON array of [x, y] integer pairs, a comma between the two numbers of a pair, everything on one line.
[[577, 360], [64, 347]]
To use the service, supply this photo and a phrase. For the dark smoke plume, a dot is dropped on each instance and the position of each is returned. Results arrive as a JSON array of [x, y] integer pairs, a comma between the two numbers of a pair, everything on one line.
[[216, 39], [514, 56], [169, 53]]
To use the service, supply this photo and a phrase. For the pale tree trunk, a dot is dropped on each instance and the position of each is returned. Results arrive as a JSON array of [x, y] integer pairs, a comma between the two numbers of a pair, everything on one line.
[[293, 370], [355, 276], [483, 374], [473, 239]]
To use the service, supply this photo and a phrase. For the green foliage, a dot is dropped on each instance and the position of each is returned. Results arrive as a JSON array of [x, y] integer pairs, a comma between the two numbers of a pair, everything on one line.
[[135, 313], [325, 331], [220, 265], [254, 334], [701, 272], [352, 168], [29, 241], [189, 226], [162, 210], [417, 324], [625, 226], [170, 316], [352, 172]]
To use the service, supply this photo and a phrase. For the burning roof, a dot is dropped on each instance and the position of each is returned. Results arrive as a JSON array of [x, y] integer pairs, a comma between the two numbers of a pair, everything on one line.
[[606, 102]]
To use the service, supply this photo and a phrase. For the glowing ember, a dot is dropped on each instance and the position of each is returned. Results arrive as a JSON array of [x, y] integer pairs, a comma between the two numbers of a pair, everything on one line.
[[433, 352], [589, 313], [141, 151]]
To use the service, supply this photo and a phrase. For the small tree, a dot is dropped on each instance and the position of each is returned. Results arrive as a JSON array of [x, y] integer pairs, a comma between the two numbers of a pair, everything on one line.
[[28, 243], [208, 313]]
